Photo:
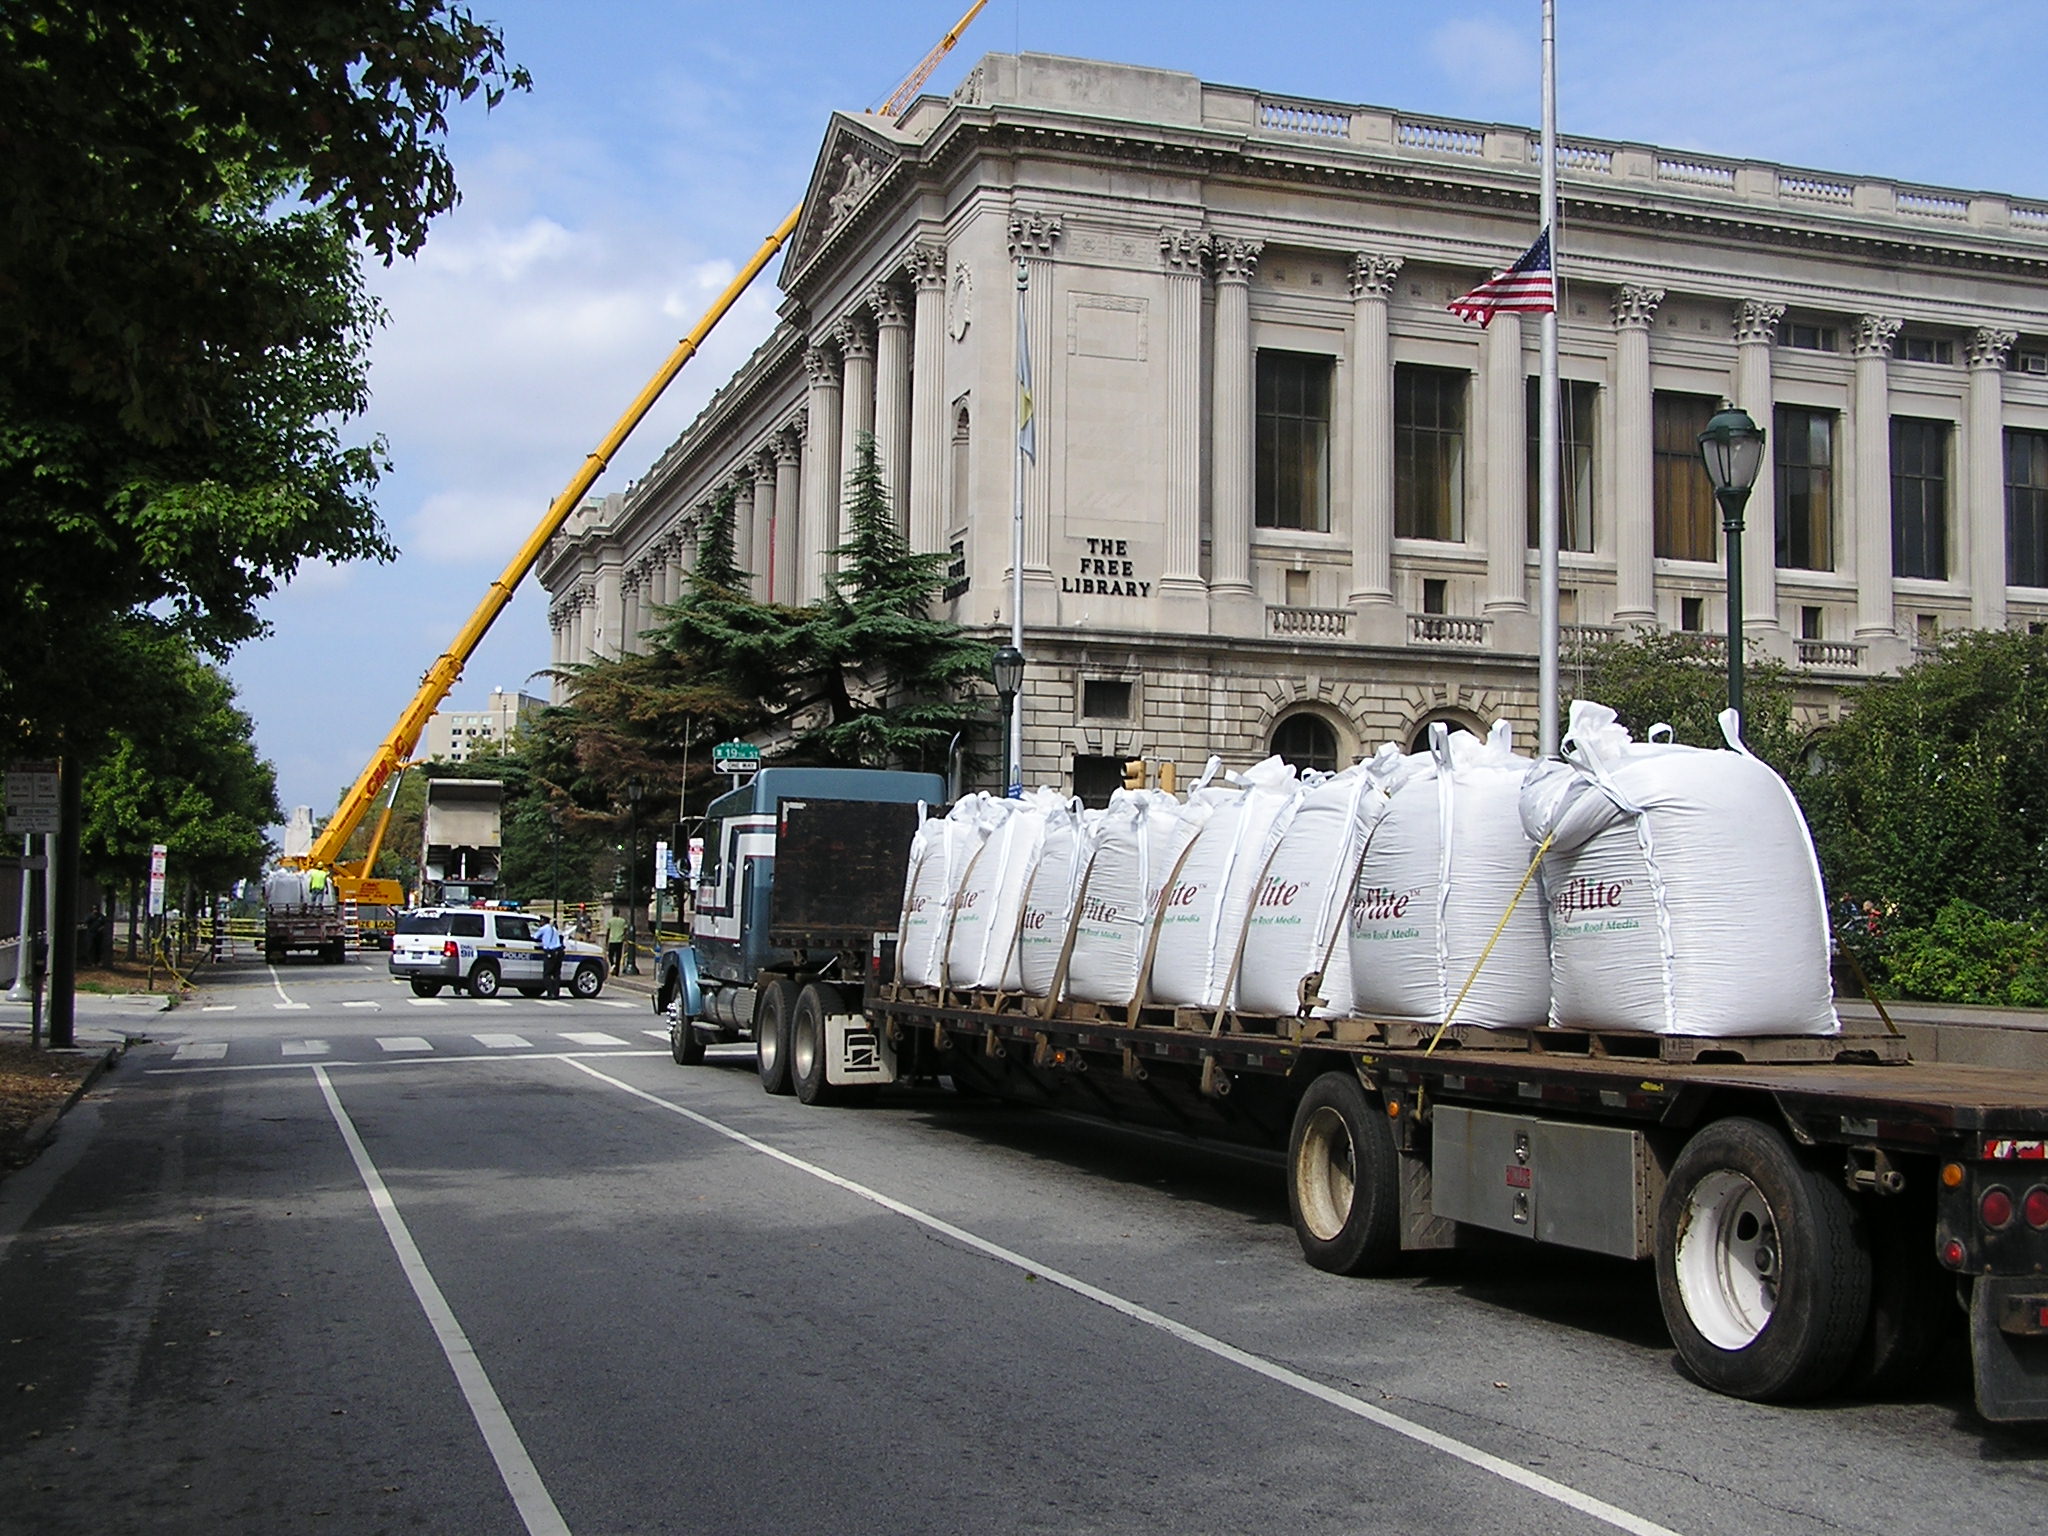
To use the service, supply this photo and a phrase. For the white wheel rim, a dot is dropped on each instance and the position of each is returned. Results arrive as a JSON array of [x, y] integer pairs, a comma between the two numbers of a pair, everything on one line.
[[1730, 1260], [803, 1051], [767, 1046], [1326, 1174]]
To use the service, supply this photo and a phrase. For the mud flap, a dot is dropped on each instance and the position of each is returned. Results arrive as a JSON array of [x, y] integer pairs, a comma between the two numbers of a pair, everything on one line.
[[2009, 1347], [856, 1052]]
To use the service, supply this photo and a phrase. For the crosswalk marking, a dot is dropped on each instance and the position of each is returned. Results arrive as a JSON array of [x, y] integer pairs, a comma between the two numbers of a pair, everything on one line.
[[368, 1003], [292, 1007], [492, 1002], [614, 1002], [201, 1050], [655, 1034], [503, 1042], [403, 1043], [553, 1002], [218, 1008], [305, 1048], [428, 1002], [590, 1037]]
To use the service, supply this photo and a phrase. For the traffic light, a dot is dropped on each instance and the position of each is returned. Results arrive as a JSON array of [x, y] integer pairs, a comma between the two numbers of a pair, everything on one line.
[[1167, 777], [1134, 773]]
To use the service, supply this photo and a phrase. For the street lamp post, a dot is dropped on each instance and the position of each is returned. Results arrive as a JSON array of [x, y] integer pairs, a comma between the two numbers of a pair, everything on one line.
[[1007, 669], [630, 964], [1733, 448]]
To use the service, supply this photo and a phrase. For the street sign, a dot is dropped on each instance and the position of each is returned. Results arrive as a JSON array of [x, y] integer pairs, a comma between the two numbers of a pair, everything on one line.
[[662, 871], [32, 798], [735, 757], [157, 854]]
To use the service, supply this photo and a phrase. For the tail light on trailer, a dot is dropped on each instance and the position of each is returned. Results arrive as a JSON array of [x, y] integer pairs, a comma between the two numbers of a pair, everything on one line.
[[2035, 1207], [1995, 1207]]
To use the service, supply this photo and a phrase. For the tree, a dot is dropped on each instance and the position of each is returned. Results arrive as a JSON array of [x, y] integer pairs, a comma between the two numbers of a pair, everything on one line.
[[893, 681], [183, 324], [1676, 679]]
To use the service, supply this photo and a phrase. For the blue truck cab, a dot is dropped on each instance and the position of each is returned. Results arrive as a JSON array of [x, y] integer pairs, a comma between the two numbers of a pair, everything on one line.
[[759, 936]]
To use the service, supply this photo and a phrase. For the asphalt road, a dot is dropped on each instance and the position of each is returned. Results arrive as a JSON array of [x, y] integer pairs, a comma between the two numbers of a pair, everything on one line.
[[323, 1257]]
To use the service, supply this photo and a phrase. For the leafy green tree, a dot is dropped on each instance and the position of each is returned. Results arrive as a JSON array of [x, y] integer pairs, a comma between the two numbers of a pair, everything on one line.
[[183, 324], [1677, 679], [895, 684]]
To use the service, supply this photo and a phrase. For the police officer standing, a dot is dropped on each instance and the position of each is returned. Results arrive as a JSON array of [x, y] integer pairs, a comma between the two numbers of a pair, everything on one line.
[[550, 940]]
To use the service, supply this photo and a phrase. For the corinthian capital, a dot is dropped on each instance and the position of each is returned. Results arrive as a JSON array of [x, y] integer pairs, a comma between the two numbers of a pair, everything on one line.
[[1234, 259], [1184, 250], [1033, 234], [856, 342], [1987, 348], [1635, 306], [1373, 274], [889, 305], [1756, 322], [1875, 335], [925, 266], [820, 366]]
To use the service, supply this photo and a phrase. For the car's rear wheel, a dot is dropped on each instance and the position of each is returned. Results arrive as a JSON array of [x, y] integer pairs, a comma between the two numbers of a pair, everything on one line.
[[422, 987]]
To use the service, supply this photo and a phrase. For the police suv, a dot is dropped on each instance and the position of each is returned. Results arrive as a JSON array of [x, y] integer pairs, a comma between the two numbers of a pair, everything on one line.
[[480, 950]]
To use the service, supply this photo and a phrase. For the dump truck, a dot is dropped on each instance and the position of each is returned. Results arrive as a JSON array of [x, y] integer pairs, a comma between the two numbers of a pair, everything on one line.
[[461, 839], [301, 912], [1818, 1211]]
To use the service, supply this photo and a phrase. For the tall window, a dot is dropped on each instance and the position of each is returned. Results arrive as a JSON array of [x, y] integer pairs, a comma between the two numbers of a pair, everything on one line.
[[1429, 453], [1684, 497], [1920, 498], [1306, 742], [1293, 447], [1805, 458], [1575, 402], [2026, 508]]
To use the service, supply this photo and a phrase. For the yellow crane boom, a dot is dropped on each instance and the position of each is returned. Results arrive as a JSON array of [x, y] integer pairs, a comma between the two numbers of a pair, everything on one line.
[[397, 748]]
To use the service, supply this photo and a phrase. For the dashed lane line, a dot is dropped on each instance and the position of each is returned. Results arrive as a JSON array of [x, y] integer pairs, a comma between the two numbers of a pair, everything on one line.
[[219, 1008], [396, 1043], [590, 1037], [428, 1002], [503, 1042], [201, 1050], [304, 1048], [365, 1003]]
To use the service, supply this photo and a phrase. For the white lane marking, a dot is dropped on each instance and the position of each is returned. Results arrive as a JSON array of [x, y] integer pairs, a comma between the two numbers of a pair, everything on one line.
[[367, 1003], [218, 1008], [437, 1059], [275, 982], [613, 1002], [403, 1043], [201, 1050], [553, 1002], [285, 1007], [1421, 1434], [522, 1480], [428, 1002], [590, 1037], [655, 1034], [503, 1042], [305, 1048], [492, 1002]]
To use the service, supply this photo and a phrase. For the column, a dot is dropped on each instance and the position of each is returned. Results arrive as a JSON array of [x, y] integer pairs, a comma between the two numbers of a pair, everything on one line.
[[1507, 469], [818, 523], [763, 539], [608, 619], [1635, 481], [926, 505], [892, 394], [631, 615], [1871, 410], [1183, 593], [1372, 449], [557, 634], [1985, 425], [1033, 237], [788, 523], [743, 523], [1232, 385], [856, 420], [579, 626], [1756, 332]]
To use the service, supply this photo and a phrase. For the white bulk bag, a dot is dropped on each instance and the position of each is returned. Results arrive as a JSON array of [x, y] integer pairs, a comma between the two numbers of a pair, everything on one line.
[[988, 907], [1297, 924], [1049, 900], [939, 855], [1685, 897], [1139, 843], [1201, 919], [1443, 866]]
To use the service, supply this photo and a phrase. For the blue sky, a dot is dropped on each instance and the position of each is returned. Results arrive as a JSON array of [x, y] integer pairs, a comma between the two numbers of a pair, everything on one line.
[[663, 141]]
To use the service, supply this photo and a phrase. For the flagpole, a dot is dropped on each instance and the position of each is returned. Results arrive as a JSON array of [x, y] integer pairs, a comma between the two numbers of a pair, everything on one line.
[[1547, 433], [1014, 770]]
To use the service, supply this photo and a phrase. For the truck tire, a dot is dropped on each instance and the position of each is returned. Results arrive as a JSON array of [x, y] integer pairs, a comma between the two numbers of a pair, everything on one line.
[[1913, 1311], [807, 1046], [483, 979], [421, 987], [587, 980], [1763, 1270], [1343, 1179], [684, 1043], [774, 1007]]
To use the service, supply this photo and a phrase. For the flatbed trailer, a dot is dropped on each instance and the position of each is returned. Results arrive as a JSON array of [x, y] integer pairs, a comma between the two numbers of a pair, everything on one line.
[[1819, 1211]]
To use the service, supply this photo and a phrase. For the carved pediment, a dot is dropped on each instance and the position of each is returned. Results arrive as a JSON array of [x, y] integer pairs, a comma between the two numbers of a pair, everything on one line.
[[856, 158]]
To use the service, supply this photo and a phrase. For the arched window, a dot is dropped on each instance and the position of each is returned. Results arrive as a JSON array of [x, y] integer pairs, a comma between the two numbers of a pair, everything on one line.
[[1418, 740], [1306, 741]]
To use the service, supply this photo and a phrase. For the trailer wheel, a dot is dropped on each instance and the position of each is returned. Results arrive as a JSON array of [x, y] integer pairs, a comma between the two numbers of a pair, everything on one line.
[[1762, 1267], [807, 1046], [483, 979], [1343, 1180], [1912, 1298], [774, 1006]]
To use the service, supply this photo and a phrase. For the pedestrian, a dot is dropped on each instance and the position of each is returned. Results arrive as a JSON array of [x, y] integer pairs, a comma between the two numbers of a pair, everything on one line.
[[550, 940], [96, 937], [615, 936]]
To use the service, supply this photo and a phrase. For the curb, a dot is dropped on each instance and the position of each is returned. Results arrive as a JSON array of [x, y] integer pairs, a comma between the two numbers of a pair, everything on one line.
[[38, 1135]]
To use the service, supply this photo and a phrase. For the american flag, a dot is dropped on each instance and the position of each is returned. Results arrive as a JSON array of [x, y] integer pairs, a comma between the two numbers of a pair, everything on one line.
[[1527, 288]]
